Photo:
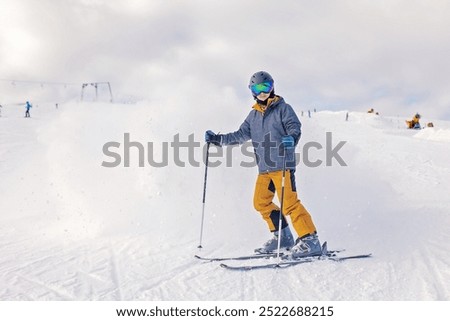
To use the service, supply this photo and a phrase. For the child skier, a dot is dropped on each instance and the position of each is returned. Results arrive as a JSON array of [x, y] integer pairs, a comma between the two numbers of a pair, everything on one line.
[[270, 125]]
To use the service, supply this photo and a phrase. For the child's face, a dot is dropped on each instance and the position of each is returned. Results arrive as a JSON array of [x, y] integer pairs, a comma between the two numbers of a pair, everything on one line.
[[263, 96]]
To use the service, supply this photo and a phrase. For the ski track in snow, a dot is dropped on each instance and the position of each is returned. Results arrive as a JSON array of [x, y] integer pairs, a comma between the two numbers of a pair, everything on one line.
[[73, 230]]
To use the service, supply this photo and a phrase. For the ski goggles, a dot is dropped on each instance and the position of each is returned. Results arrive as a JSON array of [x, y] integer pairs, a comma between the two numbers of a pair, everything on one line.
[[264, 87]]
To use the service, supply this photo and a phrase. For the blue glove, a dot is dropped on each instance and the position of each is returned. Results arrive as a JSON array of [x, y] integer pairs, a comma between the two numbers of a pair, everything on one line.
[[288, 142], [211, 137]]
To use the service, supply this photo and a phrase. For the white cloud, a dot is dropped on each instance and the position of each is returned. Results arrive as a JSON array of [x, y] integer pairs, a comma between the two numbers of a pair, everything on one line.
[[333, 54]]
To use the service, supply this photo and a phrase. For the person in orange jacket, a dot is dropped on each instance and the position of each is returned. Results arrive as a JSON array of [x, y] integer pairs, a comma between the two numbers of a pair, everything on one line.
[[415, 122]]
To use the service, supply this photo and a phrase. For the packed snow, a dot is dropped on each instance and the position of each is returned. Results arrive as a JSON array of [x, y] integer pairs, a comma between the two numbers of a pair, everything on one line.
[[72, 229]]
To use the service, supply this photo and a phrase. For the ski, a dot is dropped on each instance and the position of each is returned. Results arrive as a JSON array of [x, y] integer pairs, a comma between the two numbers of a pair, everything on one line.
[[286, 263], [239, 258], [283, 255]]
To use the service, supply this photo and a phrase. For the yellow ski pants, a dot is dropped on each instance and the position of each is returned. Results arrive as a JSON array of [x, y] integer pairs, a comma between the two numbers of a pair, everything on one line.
[[266, 185]]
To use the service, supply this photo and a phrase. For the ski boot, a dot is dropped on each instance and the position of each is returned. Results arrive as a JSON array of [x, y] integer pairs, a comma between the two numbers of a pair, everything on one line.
[[286, 242], [308, 245]]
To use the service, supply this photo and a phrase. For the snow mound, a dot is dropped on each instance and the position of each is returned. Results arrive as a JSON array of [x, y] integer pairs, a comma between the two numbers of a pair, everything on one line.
[[434, 134]]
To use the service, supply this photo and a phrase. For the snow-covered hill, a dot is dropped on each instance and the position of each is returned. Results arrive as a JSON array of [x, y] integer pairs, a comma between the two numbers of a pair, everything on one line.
[[71, 229]]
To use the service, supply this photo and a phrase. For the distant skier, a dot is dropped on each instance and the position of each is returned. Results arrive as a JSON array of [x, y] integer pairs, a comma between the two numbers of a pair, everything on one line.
[[28, 107], [415, 122], [1, 110], [270, 125]]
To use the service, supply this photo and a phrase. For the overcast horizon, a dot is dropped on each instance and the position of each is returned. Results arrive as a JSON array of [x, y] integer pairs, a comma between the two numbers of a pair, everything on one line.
[[387, 55]]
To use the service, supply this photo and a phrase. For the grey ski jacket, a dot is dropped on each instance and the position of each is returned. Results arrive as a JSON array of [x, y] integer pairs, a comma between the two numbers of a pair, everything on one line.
[[266, 128]]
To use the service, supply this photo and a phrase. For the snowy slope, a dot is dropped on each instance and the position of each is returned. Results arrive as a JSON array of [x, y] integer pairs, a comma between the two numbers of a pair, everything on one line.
[[71, 229]]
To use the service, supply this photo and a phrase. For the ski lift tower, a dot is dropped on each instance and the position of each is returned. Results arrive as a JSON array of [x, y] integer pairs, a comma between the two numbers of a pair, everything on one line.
[[95, 85]]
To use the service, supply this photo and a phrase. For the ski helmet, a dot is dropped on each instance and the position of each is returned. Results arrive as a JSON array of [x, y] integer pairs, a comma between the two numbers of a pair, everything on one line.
[[260, 77], [261, 81]]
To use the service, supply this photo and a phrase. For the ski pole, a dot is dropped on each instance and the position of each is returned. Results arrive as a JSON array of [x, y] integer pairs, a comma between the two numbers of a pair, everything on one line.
[[204, 195], [281, 205]]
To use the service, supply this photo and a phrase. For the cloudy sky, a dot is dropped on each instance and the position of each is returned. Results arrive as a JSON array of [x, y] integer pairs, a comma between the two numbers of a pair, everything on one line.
[[391, 55]]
